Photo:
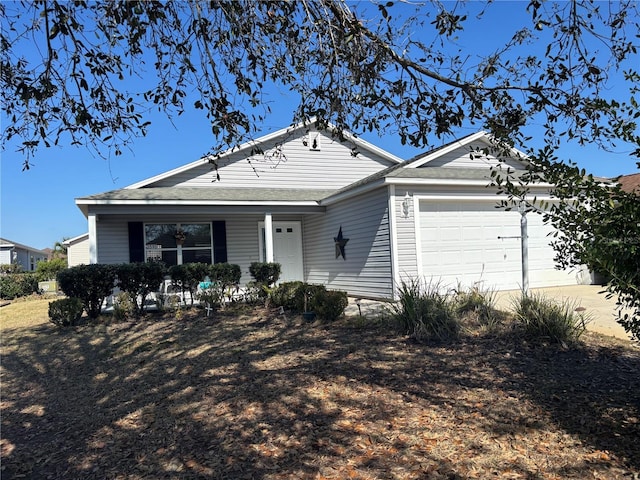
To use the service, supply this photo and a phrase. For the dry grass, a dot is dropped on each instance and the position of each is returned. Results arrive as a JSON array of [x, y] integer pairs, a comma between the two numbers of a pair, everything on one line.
[[249, 394], [24, 312]]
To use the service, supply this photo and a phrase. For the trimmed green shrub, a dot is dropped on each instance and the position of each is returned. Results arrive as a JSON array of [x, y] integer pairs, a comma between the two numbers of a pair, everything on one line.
[[424, 311], [265, 273], [188, 276], [543, 318], [225, 273], [284, 295], [329, 305], [305, 295], [139, 280], [90, 283], [226, 278], [17, 285], [65, 312]]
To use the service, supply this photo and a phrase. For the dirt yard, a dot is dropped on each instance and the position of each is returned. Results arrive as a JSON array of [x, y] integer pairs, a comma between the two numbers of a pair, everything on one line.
[[251, 394]]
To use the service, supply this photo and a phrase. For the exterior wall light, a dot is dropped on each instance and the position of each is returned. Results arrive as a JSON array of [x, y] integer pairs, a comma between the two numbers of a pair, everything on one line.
[[406, 205]]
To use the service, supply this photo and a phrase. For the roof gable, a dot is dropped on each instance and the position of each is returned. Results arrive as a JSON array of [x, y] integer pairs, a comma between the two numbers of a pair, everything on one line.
[[294, 157], [473, 151]]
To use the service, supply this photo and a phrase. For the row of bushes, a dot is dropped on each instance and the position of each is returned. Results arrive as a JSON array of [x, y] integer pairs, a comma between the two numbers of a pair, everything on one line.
[[87, 286], [15, 283], [91, 284], [430, 311]]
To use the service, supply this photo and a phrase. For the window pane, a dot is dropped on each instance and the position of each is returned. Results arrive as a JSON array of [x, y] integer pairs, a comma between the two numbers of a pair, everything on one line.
[[170, 257], [160, 235], [196, 256], [198, 235]]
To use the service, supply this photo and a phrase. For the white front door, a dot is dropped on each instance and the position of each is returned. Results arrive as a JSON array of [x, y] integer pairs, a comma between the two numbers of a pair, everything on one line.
[[287, 249]]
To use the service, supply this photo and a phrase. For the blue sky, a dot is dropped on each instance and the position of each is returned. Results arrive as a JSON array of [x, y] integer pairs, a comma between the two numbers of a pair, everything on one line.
[[37, 206]]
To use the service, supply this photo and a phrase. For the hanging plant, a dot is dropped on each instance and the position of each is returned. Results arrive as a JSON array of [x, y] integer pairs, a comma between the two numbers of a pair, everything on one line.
[[180, 236]]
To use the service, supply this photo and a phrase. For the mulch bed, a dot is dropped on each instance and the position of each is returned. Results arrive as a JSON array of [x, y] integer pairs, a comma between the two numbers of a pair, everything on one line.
[[256, 395]]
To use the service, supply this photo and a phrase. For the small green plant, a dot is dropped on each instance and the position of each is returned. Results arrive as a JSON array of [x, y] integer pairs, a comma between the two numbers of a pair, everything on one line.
[[123, 306], [65, 312], [284, 295], [265, 275], [329, 305], [305, 296], [211, 297], [425, 311], [544, 318]]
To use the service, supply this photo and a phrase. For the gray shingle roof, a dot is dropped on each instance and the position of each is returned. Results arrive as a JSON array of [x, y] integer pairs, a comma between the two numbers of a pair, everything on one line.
[[197, 194]]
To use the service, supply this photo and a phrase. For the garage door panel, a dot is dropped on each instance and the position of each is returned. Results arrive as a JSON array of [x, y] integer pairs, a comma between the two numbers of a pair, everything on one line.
[[467, 242]]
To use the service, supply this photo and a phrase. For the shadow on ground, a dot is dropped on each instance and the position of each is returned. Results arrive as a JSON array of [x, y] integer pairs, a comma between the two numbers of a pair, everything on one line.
[[261, 396]]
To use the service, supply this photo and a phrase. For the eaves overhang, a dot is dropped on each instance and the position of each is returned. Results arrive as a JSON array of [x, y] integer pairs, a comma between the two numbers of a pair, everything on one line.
[[415, 181]]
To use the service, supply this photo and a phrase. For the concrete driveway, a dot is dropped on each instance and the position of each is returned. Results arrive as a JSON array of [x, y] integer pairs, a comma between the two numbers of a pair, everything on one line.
[[601, 309]]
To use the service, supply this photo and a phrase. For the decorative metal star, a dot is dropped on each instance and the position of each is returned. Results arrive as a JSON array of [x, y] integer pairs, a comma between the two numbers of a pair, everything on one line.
[[341, 242]]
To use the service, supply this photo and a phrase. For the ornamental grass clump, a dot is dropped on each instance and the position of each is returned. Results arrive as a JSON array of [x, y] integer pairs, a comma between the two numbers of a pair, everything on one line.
[[426, 311], [477, 306], [543, 318]]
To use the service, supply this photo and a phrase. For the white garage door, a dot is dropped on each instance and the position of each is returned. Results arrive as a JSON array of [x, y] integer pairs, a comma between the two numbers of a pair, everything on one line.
[[472, 242]]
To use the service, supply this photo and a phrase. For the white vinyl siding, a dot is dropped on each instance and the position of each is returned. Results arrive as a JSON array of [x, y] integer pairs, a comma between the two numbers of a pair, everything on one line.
[[5, 256], [78, 253], [332, 166], [366, 272], [405, 239], [461, 158], [242, 242], [112, 240]]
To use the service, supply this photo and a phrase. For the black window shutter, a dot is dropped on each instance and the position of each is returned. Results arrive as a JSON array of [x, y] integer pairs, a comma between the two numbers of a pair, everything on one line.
[[136, 242], [219, 241]]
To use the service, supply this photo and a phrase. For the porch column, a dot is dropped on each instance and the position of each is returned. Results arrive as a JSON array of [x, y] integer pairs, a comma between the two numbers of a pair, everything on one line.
[[93, 238], [268, 237]]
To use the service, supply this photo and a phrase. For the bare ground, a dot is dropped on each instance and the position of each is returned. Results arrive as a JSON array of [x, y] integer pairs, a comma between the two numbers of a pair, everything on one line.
[[250, 394]]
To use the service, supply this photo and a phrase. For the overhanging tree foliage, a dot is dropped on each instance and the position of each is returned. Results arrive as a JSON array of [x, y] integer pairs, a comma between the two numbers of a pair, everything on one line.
[[90, 72]]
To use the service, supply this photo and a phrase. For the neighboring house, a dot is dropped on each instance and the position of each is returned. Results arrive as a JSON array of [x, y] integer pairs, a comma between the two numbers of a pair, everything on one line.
[[77, 250], [630, 183], [345, 214], [27, 257]]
